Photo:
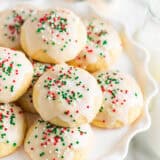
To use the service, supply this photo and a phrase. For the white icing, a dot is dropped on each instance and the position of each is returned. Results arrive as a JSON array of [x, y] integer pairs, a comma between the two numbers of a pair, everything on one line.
[[70, 143], [15, 71], [12, 124], [102, 40], [120, 94], [40, 35], [50, 109], [11, 22]]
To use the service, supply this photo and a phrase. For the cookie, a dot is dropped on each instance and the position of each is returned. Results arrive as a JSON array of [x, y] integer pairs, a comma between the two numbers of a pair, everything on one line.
[[11, 21], [45, 141], [102, 49], [15, 74], [122, 100], [67, 96], [12, 128], [26, 101], [53, 36]]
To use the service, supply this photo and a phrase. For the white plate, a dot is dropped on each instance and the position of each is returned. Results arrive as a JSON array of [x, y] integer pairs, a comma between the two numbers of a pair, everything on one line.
[[109, 144]]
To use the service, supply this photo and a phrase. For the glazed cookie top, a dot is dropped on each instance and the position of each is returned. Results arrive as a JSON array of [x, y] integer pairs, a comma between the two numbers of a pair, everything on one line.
[[102, 39], [12, 124], [46, 141], [120, 93], [11, 22], [67, 93], [56, 32], [14, 67]]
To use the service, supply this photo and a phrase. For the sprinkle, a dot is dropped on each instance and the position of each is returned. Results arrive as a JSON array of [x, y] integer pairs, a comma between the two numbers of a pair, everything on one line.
[[102, 88], [104, 42], [14, 144], [40, 29], [41, 154], [12, 119], [101, 109], [12, 88]]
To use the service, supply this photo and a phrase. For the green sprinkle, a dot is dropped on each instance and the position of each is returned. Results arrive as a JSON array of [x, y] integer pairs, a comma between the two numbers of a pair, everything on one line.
[[53, 43], [12, 119], [19, 65], [14, 144], [56, 149], [12, 88], [3, 135], [101, 109], [40, 29], [36, 136], [104, 42], [136, 94], [41, 154], [7, 141]]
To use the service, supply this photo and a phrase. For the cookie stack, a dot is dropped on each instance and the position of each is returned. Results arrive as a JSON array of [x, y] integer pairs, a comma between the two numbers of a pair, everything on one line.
[[65, 78]]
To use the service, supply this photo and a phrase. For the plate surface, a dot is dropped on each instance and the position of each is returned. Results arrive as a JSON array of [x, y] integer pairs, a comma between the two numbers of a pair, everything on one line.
[[108, 144]]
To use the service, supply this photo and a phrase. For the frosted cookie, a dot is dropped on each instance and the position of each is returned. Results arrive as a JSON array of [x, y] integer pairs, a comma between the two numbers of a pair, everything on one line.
[[11, 21], [122, 100], [15, 74], [102, 48], [45, 141], [67, 96], [53, 36], [12, 128], [26, 101]]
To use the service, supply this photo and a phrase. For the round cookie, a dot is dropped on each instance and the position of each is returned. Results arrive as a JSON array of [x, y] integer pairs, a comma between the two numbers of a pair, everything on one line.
[[26, 101], [122, 100], [11, 21], [102, 48], [53, 36], [67, 96], [12, 128], [15, 74], [45, 141]]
